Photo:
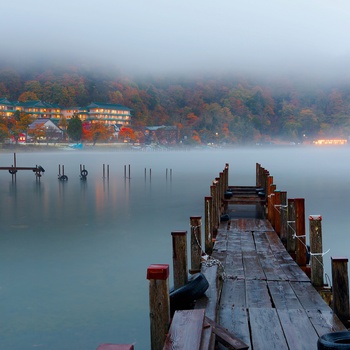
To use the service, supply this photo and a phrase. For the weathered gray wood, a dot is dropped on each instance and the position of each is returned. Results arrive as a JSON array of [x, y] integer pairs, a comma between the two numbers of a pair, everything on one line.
[[308, 296], [284, 218], [257, 294], [325, 321], [185, 331], [266, 330], [252, 267], [283, 296], [316, 250], [208, 232], [298, 330], [196, 241], [340, 283], [179, 241], [300, 231], [233, 293], [225, 337], [291, 227]]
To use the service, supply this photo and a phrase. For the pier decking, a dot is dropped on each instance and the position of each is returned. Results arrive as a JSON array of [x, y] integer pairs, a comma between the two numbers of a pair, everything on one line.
[[265, 298]]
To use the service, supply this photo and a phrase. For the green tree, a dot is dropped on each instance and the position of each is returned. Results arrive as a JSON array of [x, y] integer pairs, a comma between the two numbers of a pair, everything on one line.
[[75, 128]]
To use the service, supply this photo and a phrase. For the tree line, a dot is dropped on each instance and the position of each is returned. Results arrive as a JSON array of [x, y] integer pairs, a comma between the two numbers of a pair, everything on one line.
[[205, 109]]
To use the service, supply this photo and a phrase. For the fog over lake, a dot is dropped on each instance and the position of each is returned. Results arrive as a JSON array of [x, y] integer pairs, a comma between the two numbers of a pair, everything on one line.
[[74, 254]]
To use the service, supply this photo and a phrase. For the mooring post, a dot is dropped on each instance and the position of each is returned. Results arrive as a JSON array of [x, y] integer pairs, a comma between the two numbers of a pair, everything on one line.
[[196, 243], [108, 346], [227, 168], [257, 175], [300, 231], [284, 217], [271, 204], [179, 240], [277, 212], [214, 208], [124, 171], [291, 228], [218, 196], [108, 171], [340, 283], [208, 242], [158, 276], [316, 258], [129, 172], [103, 171]]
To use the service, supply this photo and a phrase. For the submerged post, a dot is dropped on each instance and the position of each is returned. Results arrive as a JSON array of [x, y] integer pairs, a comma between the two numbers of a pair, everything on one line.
[[158, 276], [316, 258], [340, 282], [179, 240], [196, 240]]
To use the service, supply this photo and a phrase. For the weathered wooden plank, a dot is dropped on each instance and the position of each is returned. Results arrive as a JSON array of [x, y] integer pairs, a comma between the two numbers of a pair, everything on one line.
[[223, 336], [185, 330], [298, 329], [247, 242], [325, 321], [308, 296], [234, 265], [290, 267], [283, 295], [235, 320], [257, 294], [210, 299], [271, 268], [252, 267], [233, 293], [266, 330], [275, 242]]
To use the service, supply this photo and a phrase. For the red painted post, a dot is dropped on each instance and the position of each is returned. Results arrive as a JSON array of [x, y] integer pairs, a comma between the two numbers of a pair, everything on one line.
[[158, 276]]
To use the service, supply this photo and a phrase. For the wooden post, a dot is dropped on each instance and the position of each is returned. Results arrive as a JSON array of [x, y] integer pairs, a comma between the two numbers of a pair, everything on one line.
[[284, 217], [179, 239], [316, 250], [257, 175], [208, 225], [291, 228], [271, 204], [103, 171], [227, 168], [340, 283], [214, 208], [277, 212], [196, 241], [300, 231], [107, 171], [158, 276], [124, 171]]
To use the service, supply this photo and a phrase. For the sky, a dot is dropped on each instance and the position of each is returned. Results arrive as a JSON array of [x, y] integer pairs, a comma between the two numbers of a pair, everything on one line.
[[183, 36]]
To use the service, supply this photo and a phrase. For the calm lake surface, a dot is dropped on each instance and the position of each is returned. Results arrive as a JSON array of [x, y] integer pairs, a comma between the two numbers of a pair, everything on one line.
[[74, 255]]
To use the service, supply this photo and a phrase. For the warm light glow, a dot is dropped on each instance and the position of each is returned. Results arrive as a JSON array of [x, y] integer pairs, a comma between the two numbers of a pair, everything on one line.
[[331, 142]]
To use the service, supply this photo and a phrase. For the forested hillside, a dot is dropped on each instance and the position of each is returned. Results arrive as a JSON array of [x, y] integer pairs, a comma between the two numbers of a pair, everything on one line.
[[206, 109]]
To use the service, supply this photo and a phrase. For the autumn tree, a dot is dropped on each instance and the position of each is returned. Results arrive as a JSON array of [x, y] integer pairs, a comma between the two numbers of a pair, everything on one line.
[[18, 124], [37, 133], [75, 128], [98, 131], [126, 133], [27, 96]]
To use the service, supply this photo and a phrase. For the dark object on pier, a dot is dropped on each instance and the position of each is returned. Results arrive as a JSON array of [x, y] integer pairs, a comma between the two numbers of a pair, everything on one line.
[[334, 340], [184, 297], [63, 178], [228, 194], [224, 217]]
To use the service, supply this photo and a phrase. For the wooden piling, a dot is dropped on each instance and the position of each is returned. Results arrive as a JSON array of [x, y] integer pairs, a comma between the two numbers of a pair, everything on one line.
[[300, 231], [277, 212], [214, 211], [316, 258], [340, 283], [196, 241], [179, 240], [284, 217], [270, 202], [208, 242], [158, 276], [291, 228]]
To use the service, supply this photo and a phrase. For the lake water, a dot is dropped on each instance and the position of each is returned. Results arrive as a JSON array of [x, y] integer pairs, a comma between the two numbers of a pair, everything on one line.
[[74, 255]]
